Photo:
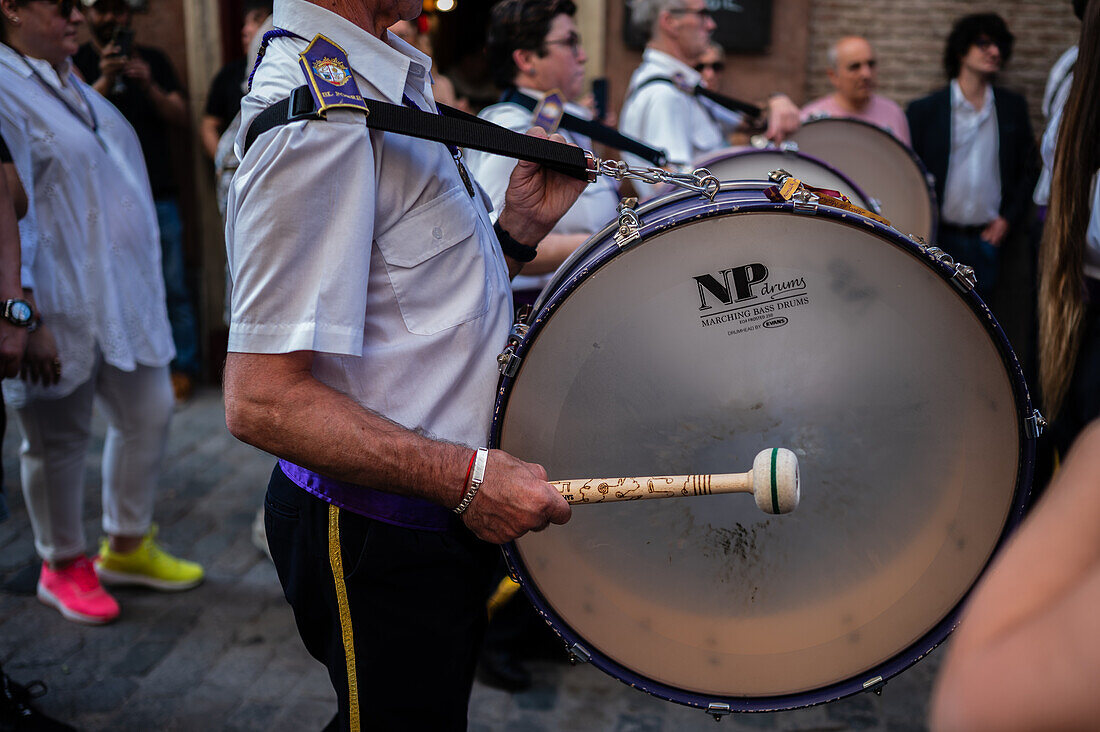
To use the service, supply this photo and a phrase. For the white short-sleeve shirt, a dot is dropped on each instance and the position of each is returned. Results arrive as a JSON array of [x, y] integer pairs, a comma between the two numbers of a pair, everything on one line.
[[366, 247], [594, 208], [666, 117]]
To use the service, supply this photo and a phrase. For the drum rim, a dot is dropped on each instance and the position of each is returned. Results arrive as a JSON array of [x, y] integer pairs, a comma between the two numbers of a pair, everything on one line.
[[736, 152], [928, 180], [879, 674], [612, 226]]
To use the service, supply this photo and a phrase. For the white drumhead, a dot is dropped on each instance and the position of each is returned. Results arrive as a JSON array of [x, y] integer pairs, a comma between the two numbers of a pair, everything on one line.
[[882, 167], [855, 355], [753, 164]]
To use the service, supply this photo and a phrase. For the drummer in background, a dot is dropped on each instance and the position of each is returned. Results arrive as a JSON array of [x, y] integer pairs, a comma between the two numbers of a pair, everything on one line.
[[535, 50], [710, 67], [976, 140], [660, 108], [853, 71]]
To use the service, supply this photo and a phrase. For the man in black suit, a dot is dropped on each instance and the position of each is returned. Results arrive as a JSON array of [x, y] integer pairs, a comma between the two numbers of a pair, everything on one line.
[[976, 140]]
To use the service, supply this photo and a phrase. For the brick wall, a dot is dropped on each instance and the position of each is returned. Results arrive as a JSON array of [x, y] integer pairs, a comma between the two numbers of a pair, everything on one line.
[[909, 38]]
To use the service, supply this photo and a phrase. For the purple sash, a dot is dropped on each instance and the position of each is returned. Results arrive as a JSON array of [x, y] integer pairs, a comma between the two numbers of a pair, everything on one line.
[[391, 508]]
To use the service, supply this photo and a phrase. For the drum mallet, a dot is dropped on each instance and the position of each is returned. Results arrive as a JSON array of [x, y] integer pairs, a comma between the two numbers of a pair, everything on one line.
[[773, 482]]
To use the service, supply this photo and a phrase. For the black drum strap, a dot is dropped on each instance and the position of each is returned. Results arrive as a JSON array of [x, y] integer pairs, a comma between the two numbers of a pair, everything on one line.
[[734, 105], [594, 130], [451, 127]]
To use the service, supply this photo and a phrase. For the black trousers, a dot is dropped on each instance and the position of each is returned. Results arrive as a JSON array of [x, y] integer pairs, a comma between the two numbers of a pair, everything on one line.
[[396, 615]]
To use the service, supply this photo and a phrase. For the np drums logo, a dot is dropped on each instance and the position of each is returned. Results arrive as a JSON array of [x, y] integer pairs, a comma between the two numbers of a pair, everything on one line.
[[748, 297]]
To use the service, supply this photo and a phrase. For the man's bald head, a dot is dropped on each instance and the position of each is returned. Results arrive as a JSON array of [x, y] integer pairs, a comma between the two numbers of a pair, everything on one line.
[[852, 70]]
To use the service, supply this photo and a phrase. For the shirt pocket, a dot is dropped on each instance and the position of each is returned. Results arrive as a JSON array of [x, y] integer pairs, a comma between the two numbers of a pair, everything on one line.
[[435, 264]]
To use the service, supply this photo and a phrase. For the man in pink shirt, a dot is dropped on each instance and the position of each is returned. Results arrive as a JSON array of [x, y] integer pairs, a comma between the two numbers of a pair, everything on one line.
[[852, 71]]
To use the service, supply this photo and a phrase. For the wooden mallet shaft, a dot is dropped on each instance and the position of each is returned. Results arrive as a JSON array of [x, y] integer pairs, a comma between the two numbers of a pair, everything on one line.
[[773, 481]]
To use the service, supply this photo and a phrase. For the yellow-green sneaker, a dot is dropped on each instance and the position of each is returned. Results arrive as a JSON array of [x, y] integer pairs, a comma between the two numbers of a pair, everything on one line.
[[148, 566]]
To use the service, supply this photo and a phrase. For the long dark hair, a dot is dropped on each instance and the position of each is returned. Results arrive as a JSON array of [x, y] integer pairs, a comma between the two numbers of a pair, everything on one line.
[[1062, 253]]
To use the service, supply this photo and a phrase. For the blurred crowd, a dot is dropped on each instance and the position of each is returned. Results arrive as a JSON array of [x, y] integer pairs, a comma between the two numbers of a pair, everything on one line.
[[98, 308]]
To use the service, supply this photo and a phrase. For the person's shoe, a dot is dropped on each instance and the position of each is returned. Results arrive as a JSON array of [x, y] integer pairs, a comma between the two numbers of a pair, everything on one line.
[[17, 712], [503, 670], [75, 591], [147, 566]]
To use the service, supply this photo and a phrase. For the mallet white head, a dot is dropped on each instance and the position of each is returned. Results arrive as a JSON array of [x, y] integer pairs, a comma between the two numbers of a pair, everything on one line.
[[775, 481]]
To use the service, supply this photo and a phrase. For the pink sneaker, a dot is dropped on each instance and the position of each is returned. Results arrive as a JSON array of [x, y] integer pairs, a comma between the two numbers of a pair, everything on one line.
[[76, 592]]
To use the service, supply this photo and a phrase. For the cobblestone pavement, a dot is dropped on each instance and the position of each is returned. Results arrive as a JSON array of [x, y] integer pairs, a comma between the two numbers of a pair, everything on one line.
[[225, 656]]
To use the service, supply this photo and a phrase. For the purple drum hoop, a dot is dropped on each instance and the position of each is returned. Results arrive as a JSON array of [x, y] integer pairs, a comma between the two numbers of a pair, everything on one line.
[[752, 151], [935, 229], [689, 207]]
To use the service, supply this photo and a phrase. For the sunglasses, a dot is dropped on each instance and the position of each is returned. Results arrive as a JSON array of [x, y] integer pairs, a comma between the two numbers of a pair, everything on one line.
[[64, 7], [985, 44], [572, 42], [716, 66], [703, 13]]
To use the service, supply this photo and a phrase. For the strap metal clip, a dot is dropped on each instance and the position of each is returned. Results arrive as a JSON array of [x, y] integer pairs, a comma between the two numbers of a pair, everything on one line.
[[508, 362]]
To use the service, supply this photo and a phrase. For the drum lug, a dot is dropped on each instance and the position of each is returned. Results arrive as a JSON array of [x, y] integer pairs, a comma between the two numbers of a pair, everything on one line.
[[508, 362], [578, 654], [964, 278], [629, 222], [718, 710], [1035, 424], [876, 685]]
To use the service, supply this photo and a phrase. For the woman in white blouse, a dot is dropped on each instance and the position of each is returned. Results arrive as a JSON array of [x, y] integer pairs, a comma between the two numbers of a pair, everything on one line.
[[91, 258]]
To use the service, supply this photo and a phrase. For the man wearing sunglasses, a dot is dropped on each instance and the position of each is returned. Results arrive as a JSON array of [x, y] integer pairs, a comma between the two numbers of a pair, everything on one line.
[[536, 56], [976, 140], [661, 108], [853, 73]]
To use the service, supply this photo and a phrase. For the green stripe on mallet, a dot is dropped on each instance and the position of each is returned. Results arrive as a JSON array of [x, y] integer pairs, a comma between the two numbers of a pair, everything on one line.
[[775, 489]]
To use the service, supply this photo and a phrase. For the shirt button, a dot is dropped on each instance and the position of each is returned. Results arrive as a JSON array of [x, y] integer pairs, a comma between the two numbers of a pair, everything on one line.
[[437, 232]]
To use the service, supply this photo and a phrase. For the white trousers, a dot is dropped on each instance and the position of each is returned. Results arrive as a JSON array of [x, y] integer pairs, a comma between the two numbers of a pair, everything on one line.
[[56, 434]]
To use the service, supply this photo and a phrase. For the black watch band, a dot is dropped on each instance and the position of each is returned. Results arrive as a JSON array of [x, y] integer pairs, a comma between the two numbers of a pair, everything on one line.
[[511, 247]]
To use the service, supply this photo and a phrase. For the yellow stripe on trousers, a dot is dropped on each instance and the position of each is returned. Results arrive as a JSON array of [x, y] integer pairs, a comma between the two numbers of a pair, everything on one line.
[[336, 561]]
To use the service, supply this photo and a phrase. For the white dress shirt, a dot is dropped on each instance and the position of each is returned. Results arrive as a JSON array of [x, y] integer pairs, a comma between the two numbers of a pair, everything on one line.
[[364, 247], [972, 191], [90, 242], [594, 208], [667, 117]]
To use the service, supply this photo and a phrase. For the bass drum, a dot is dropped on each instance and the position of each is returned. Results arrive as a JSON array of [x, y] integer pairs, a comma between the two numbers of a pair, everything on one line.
[[748, 163], [886, 168], [723, 328]]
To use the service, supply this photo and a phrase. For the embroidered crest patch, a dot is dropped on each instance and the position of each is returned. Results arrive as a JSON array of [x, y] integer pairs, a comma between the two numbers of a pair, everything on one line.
[[330, 78]]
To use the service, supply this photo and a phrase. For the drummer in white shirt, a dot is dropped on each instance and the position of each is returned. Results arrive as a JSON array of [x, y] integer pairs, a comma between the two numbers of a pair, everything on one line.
[[665, 113], [536, 55]]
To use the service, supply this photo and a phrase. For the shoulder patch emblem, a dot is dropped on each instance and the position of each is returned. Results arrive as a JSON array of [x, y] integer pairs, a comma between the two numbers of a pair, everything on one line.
[[329, 77], [332, 71]]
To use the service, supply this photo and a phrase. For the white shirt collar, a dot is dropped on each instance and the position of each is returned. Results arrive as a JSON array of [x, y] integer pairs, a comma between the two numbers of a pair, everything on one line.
[[671, 65], [393, 63], [960, 102], [14, 61]]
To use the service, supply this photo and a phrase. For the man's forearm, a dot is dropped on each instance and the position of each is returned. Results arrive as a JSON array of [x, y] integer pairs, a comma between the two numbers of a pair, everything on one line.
[[274, 403]]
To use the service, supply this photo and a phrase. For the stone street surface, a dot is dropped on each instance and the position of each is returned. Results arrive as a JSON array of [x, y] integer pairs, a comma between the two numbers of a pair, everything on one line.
[[226, 656]]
